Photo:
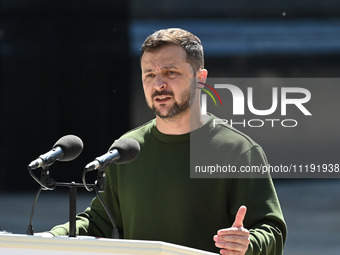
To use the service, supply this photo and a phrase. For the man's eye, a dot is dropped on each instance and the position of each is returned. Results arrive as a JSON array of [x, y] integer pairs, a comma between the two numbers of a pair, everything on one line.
[[172, 73], [149, 75]]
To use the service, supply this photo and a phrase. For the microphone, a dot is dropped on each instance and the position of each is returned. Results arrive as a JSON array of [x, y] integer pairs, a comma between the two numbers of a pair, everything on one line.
[[122, 151], [66, 148]]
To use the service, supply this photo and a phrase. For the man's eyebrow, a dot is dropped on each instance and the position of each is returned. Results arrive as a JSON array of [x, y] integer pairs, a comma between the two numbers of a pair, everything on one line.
[[170, 67], [167, 67], [148, 70]]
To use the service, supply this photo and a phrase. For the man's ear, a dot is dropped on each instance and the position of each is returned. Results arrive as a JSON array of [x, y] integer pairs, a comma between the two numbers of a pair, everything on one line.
[[202, 75]]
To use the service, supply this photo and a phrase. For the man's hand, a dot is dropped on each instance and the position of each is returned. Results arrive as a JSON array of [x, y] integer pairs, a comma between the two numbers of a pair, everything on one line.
[[234, 240]]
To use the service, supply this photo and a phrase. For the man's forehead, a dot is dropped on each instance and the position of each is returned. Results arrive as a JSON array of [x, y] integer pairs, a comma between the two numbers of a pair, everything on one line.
[[165, 58]]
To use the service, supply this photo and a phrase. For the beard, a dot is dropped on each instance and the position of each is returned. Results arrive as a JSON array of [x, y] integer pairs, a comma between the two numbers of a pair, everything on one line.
[[178, 108]]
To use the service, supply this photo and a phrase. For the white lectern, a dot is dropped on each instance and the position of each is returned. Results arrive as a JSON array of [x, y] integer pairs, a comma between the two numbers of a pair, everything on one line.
[[27, 245]]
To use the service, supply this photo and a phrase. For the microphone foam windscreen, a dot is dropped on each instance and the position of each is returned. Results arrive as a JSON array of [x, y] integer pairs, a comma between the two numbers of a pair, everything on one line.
[[128, 149], [71, 145]]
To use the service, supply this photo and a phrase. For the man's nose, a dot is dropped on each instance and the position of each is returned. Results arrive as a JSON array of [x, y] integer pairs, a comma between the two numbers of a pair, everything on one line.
[[160, 83]]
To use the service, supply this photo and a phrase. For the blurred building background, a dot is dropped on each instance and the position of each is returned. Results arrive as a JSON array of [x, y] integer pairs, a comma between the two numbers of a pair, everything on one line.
[[64, 70], [72, 67]]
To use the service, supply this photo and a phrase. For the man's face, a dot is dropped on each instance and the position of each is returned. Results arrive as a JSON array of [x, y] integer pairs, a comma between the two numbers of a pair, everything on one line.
[[168, 81]]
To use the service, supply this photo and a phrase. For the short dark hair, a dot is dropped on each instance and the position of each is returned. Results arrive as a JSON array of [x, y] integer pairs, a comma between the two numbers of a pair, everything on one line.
[[180, 37]]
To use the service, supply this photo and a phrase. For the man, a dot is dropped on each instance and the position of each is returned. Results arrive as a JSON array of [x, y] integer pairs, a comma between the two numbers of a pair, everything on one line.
[[154, 198]]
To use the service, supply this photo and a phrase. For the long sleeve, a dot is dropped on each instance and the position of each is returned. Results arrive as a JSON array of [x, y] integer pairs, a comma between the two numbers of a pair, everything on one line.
[[264, 217]]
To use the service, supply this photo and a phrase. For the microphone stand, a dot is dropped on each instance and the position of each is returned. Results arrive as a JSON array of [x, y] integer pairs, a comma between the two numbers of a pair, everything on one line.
[[46, 183], [99, 187], [72, 203]]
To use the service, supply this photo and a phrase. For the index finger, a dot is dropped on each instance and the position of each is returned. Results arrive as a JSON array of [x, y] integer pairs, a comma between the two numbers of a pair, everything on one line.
[[232, 231]]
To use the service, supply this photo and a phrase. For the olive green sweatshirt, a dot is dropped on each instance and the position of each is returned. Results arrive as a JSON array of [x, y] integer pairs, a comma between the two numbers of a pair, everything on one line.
[[154, 198]]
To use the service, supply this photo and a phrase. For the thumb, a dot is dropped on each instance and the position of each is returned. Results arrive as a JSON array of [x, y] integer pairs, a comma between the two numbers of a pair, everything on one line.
[[241, 213]]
